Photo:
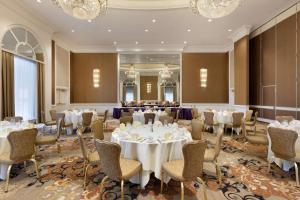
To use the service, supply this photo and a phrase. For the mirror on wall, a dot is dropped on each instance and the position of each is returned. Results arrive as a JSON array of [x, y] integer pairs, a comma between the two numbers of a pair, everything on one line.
[[149, 79]]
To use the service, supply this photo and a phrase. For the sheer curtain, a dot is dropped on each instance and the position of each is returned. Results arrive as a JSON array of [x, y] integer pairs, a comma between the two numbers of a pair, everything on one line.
[[25, 88], [129, 94], [169, 94]]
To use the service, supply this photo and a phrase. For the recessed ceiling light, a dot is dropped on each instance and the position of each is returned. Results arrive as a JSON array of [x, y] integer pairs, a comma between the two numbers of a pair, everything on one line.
[[72, 30], [109, 30], [146, 30], [153, 20], [90, 20], [39, 1], [136, 42], [229, 30], [162, 42], [115, 42], [209, 20], [185, 42], [189, 30]]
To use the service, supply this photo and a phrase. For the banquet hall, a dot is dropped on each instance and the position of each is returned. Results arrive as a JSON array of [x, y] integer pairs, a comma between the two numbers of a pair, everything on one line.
[[149, 99]]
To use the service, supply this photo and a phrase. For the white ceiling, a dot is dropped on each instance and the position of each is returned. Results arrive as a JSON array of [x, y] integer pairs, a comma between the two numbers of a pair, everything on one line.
[[128, 25]]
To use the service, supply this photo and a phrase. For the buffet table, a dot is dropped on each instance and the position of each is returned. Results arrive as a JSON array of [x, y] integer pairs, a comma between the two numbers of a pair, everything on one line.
[[151, 145]]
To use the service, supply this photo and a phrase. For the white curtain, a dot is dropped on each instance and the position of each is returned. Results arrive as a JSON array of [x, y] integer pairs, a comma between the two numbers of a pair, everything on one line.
[[25, 88], [169, 96], [129, 94]]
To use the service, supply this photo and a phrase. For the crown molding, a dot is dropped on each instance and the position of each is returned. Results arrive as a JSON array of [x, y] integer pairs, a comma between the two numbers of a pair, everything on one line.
[[206, 49], [148, 4], [240, 33]]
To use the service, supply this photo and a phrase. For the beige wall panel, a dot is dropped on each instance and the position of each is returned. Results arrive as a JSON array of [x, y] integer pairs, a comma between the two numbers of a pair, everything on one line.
[[254, 72], [268, 61]]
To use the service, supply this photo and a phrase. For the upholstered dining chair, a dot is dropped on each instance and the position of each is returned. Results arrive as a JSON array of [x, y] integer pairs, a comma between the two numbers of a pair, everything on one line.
[[22, 144], [252, 124], [97, 129], [90, 158], [166, 118], [50, 139], [15, 119], [125, 114], [248, 115], [126, 119], [168, 111], [256, 137], [195, 113], [87, 119], [115, 168], [197, 129], [131, 111], [209, 120], [284, 118], [236, 123], [64, 126], [212, 154], [283, 146], [188, 169], [149, 116]]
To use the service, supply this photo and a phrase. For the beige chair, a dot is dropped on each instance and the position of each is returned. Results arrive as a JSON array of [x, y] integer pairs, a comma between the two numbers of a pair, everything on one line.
[[90, 158], [168, 111], [195, 113], [197, 129], [149, 116], [53, 121], [22, 149], [256, 137], [126, 119], [64, 126], [248, 115], [175, 115], [237, 122], [209, 120], [87, 119], [211, 155], [97, 129], [125, 114], [131, 111], [188, 169], [284, 118], [50, 139], [283, 146], [15, 119], [115, 168], [252, 124], [165, 118]]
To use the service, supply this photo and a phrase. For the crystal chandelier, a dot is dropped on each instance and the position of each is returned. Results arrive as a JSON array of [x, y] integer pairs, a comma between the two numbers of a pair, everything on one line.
[[83, 9], [214, 8], [165, 73], [131, 74]]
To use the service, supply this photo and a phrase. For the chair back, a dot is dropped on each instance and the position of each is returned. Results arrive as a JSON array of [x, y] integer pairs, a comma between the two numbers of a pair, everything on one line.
[[193, 154], [126, 119], [22, 144], [283, 142], [197, 129], [284, 118], [62, 117], [105, 116], [237, 119], [255, 117], [131, 111], [125, 114], [248, 115], [58, 127], [195, 113], [97, 129], [82, 144], [15, 119], [87, 118], [52, 114], [110, 158], [168, 111], [209, 118], [218, 143], [166, 118], [149, 116]]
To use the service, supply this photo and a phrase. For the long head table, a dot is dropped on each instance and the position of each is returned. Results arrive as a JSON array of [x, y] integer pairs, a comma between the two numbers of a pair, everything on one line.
[[184, 113]]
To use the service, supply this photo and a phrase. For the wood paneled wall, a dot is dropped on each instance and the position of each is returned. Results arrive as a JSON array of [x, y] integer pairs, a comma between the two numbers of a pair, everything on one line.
[[241, 71], [153, 95], [82, 65], [217, 82], [274, 69]]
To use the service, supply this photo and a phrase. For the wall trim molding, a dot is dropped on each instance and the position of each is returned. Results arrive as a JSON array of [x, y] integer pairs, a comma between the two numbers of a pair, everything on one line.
[[240, 33]]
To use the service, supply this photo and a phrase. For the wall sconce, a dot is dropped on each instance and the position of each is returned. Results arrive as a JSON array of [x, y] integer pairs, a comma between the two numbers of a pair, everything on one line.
[[203, 77], [149, 85], [96, 78]]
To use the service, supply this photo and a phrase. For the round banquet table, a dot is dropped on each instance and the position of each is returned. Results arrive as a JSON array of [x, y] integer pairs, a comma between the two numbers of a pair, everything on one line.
[[75, 116], [152, 146], [5, 129], [223, 117], [293, 125], [139, 115]]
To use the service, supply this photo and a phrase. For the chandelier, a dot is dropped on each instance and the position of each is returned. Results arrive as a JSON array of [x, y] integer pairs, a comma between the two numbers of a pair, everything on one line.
[[83, 9], [165, 73], [214, 8], [131, 74]]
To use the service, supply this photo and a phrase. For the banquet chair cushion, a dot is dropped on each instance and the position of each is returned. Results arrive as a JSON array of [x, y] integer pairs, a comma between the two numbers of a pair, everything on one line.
[[45, 139], [174, 168], [257, 139], [129, 168]]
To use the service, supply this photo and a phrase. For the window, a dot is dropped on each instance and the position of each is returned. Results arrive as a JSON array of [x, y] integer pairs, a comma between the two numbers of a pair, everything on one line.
[[25, 88], [169, 94], [129, 94]]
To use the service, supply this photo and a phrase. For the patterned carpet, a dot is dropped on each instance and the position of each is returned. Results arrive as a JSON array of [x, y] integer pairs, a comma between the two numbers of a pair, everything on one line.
[[244, 177]]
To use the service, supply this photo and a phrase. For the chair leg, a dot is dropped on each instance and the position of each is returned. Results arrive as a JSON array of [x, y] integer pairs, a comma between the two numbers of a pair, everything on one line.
[[122, 189], [7, 177], [25, 166], [36, 168], [101, 186], [58, 147], [218, 172], [85, 175], [204, 187], [297, 174], [162, 182], [182, 191]]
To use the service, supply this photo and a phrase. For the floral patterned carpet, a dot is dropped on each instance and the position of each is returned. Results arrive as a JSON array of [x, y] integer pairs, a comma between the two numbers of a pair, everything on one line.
[[244, 177]]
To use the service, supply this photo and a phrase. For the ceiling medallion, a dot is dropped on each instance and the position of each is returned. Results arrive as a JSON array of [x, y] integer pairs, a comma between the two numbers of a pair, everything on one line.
[[214, 8], [83, 9]]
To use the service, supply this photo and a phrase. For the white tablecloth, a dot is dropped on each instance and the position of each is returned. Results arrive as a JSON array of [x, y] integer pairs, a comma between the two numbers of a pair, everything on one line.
[[223, 117], [75, 116], [139, 115], [5, 129], [152, 149], [293, 125]]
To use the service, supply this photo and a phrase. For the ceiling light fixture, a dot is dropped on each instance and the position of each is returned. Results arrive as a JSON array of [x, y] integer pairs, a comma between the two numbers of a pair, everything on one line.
[[72, 30], [165, 73], [136, 42], [214, 8], [153, 20], [229, 30], [146, 30], [189, 30], [83, 9], [185, 42], [131, 73], [162, 42], [39, 1], [90, 20], [209, 20], [115, 42], [109, 30]]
